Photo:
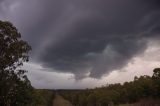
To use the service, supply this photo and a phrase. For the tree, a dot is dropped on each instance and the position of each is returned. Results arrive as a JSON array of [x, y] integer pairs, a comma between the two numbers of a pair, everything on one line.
[[156, 73], [15, 88], [156, 78]]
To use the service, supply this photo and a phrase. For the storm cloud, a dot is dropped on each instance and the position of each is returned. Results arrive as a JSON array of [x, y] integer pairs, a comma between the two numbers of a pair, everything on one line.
[[88, 38]]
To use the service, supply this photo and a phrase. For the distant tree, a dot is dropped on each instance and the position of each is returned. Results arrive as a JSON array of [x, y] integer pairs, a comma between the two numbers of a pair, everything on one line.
[[15, 88], [156, 78], [82, 100], [141, 88], [156, 73], [92, 99]]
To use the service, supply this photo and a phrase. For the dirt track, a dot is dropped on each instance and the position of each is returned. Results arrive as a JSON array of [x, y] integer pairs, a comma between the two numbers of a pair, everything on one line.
[[60, 101]]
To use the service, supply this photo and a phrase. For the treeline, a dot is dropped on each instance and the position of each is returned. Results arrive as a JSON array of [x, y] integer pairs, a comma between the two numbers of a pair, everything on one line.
[[42, 97], [143, 87], [38, 97]]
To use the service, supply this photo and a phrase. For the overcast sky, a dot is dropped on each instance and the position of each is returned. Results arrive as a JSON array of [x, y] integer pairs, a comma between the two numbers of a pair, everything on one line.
[[86, 43]]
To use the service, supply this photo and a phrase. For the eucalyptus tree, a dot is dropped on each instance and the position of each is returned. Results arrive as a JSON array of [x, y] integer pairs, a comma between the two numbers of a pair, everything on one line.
[[15, 88]]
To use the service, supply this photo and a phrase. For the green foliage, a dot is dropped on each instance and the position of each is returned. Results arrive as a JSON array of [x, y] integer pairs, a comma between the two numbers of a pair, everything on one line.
[[13, 50], [42, 97], [156, 74], [142, 87], [156, 78], [15, 88]]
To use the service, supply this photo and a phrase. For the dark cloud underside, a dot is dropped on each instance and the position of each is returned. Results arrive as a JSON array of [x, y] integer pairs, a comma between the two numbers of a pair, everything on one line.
[[105, 37], [90, 37]]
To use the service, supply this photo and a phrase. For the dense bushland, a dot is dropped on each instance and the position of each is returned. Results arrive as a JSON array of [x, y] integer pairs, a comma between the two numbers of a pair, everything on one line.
[[142, 88], [42, 97]]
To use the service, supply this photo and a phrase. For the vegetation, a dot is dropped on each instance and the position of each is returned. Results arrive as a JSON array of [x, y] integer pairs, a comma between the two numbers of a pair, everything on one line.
[[43, 97], [15, 88], [142, 88], [13, 81]]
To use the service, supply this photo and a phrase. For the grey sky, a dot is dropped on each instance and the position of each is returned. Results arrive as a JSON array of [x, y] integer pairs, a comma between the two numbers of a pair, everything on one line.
[[83, 39]]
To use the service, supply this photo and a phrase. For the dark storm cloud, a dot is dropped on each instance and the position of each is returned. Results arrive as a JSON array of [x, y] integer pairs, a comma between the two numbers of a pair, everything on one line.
[[88, 37], [105, 37]]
